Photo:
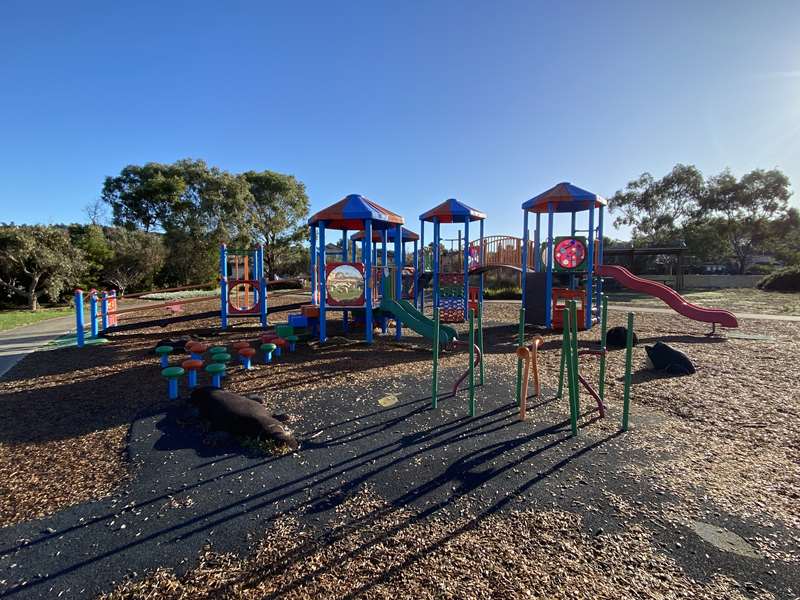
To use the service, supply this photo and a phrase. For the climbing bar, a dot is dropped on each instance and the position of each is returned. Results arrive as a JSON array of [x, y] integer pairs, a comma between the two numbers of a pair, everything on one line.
[[626, 395], [521, 342], [435, 384], [472, 362], [601, 385]]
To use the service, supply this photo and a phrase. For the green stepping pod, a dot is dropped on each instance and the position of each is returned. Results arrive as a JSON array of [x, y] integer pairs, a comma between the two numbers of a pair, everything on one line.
[[218, 350], [220, 357], [164, 350], [171, 372], [215, 368]]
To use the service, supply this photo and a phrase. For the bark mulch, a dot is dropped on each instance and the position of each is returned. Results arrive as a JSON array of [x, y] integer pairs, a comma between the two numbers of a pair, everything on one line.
[[402, 501]]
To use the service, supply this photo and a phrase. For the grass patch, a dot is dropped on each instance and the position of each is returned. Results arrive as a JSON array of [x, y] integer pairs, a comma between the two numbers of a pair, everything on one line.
[[747, 300], [9, 319], [503, 293]]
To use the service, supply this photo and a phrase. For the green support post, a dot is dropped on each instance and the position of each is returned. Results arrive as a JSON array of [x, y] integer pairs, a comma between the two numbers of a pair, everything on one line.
[[480, 340], [560, 393], [601, 387], [626, 396], [520, 342], [472, 362], [566, 350], [435, 384], [573, 308]]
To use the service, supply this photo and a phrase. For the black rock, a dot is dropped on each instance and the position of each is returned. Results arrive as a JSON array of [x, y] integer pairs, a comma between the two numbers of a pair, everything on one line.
[[617, 337], [238, 415], [666, 358]]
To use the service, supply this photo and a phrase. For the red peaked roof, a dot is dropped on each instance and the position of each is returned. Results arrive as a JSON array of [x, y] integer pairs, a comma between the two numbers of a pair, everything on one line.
[[408, 235], [564, 197], [352, 211], [453, 211]]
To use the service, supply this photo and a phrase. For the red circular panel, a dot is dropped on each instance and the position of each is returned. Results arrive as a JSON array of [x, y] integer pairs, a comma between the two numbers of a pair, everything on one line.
[[570, 253]]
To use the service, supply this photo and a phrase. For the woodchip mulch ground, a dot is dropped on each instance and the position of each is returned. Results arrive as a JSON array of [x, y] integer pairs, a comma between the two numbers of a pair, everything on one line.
[[729, 433]]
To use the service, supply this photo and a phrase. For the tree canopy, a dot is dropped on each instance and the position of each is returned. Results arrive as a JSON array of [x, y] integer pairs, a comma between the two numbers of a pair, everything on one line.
[[197, 207], [37, 261], [717, 217]]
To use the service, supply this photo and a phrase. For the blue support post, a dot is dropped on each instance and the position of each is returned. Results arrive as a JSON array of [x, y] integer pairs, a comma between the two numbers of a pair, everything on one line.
[[345, 313], [466, 268], [436, 262], [368, 280], [421, 293], [313, 241], [548, 300], [399, 251], [104, 310], [262, 285], [322, 291], [223, 285], [416, 271], [590, 271], [93, 312], [385, 249], [600, 249], [79, 338], [525, 254], [573, 280], [537, 244], [480, 260]]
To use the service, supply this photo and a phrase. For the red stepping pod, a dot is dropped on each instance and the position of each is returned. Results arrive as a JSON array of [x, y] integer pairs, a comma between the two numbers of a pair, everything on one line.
[[192, 366], [240, 345], [246, 355]]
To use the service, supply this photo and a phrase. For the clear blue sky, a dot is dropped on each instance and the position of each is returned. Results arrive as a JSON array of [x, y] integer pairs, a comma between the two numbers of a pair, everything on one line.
[[407, 102]]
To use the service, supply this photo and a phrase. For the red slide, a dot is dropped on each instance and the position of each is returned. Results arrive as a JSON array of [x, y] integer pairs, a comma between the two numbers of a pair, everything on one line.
[[672, 298]]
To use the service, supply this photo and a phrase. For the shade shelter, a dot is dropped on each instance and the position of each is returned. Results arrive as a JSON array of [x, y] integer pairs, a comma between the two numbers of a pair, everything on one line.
[[449, 211], [354, 212], [573, 256], [385, 238]]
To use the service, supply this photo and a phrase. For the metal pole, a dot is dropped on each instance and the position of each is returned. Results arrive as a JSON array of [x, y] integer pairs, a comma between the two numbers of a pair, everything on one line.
[[480, 340], [590, 271], [436, 261], [480, 262], [421, 266], [223, 286], [313, 240], [524, 257], [323, 334], [345, 314], [601, 386], [548, 300], [537, 244], [626, 395], [466, 266], [416, 272], [368, 280], [573, 307], [93, 312], [104, 310], [79, 336], [566, 349], [471, 363], [435, 383], [399, 250], [262, 283], [520, 342]]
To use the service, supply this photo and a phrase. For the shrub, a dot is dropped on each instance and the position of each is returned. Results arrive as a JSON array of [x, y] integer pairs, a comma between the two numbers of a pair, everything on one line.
[[782, 280], [285, 284], [505, 293]]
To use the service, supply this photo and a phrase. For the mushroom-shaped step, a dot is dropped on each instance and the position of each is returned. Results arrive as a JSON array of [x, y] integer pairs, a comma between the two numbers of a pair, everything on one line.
[[172, 374], [268, 349], [292, 339], [246, 355], [192, 366], [163, 353], [217, 372]]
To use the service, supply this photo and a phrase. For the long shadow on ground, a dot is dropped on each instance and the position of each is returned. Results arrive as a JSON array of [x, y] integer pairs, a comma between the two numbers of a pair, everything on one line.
[[185, 495]]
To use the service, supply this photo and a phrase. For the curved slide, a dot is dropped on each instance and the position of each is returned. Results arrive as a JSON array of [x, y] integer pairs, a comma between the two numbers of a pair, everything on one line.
[[409, 316], [670, 297]]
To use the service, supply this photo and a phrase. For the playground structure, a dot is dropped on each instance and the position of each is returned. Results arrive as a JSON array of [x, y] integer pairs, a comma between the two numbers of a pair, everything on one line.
[[570, 354], [243, 293], [243, 285], [475, 347], [452, 293], [571, 267]]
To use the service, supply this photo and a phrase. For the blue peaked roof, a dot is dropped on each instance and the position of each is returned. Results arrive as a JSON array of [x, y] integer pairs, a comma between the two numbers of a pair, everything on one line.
[[453, 211], [564, 197], [351, 211], [408, 235]]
